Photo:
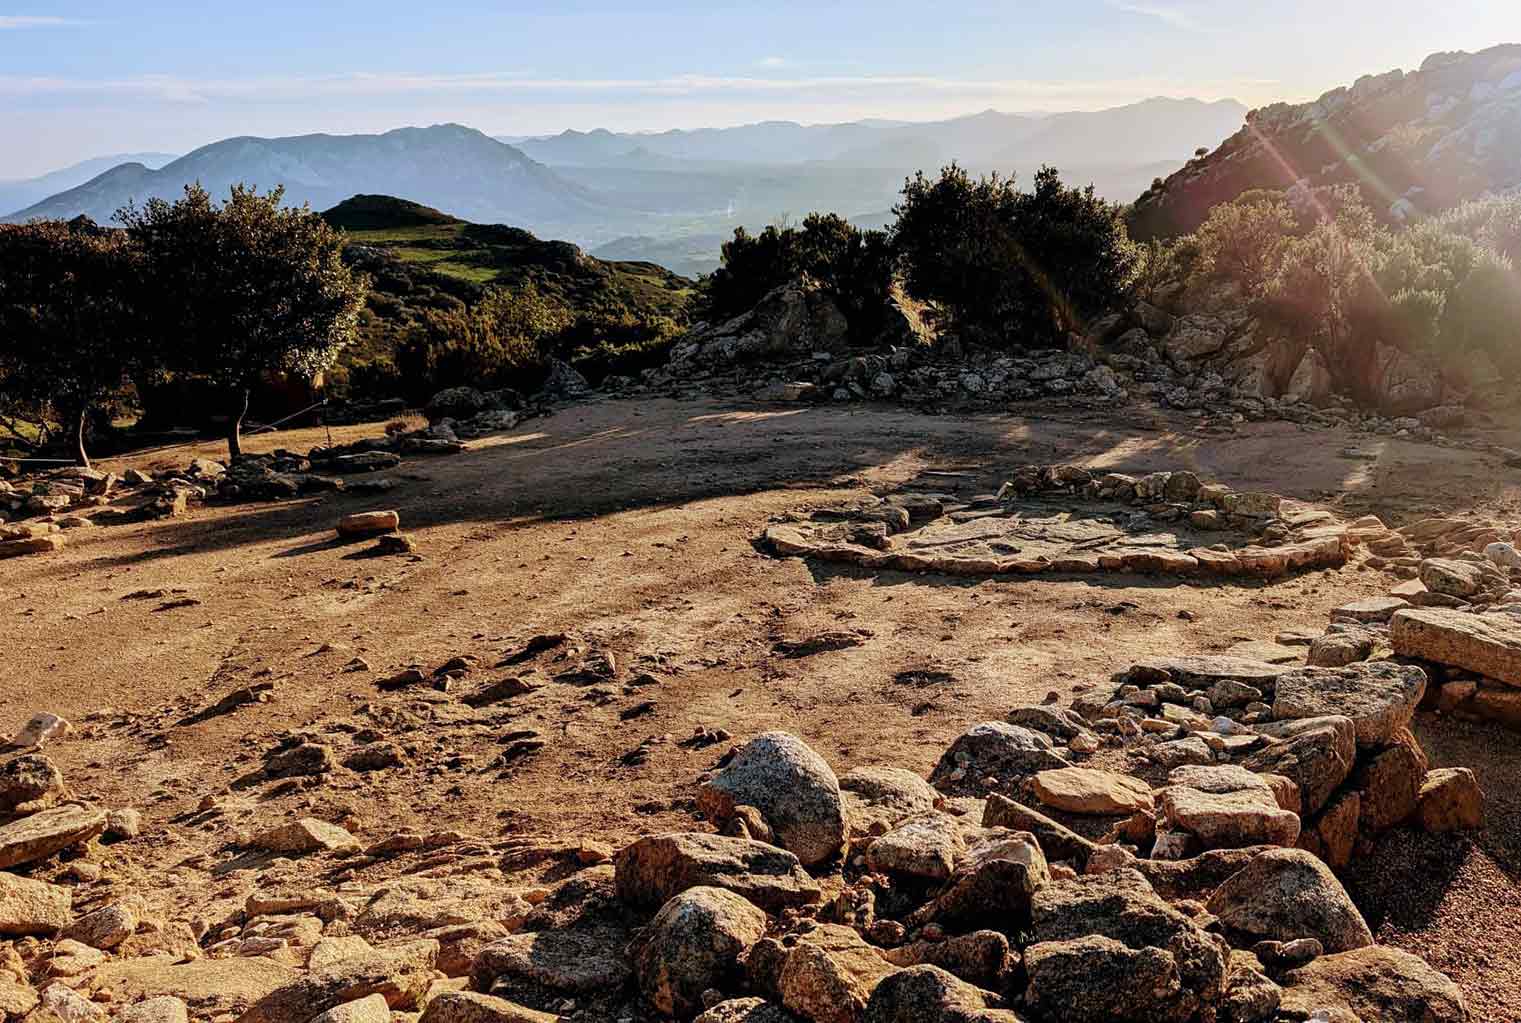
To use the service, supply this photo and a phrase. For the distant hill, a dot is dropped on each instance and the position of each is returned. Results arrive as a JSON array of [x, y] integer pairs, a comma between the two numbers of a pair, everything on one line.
[[17, 194], [449, 166], [1416, 143]]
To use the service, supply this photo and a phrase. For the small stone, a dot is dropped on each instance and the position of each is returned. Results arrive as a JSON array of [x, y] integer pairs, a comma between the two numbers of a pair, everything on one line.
[[307, 835], [1451, 800], [372, 523], [39, 729]]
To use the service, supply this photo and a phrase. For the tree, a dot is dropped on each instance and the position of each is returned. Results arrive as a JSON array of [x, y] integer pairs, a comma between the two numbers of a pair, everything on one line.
[[67, 331], [1020, 267], [240, 290]]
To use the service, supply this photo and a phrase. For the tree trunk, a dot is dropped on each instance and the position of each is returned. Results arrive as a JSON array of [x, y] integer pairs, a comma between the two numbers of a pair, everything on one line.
[[79, 437], [235, 425]]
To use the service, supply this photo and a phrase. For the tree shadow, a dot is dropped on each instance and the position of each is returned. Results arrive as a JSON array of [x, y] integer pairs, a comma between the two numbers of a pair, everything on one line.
[[621, 456]]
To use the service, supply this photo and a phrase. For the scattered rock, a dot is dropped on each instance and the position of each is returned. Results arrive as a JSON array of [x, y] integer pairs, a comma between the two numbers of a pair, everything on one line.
[[371, 523], [400, 974], [42, 834], [1375, 983], [1451, 800], [654, 869], [32, 907], [307, 835]]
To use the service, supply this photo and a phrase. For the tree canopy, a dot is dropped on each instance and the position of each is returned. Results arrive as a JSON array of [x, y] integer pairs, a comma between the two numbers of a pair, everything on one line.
[[68, 330], [237, 290]]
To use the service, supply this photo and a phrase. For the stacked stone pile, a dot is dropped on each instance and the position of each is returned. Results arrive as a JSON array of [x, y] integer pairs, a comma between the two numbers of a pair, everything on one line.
[[1458, 616], [1158, 851]]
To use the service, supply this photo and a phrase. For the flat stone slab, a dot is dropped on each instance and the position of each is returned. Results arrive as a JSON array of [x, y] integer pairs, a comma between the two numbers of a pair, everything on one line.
[[1379, 697], [1083, 790], [42, 834], [1372, 610], [1489, 644], [1229, 818], [1204, 671], [33, 907]]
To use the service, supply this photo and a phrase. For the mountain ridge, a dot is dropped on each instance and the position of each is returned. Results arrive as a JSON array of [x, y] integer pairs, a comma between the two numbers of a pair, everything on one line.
[[967, 138], [18, 193], [482, 179]]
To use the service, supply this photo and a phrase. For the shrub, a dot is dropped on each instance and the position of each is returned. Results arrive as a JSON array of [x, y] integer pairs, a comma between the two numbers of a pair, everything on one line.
[[1016, 268], [498, 342], [855, 267], [1244, 240]]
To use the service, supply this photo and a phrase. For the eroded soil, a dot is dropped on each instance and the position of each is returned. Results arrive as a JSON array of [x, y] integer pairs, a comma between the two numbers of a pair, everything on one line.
[[630, 527]]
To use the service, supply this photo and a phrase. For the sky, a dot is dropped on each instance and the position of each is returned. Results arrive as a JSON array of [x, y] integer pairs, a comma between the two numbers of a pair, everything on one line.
[[86, 78]]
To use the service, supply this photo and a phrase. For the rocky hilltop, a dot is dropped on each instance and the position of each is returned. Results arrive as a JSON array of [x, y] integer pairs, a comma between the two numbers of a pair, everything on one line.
[[1416, 143]]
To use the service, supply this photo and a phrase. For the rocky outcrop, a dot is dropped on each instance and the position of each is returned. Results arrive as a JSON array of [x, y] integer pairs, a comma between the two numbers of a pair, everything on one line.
[[1431, 138]]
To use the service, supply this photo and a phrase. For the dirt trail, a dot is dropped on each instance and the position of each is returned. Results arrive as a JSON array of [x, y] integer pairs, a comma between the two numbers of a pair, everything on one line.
[[629, 526]]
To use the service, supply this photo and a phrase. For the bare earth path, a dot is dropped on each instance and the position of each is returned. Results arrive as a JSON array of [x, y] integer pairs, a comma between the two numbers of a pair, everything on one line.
[[630, 527]]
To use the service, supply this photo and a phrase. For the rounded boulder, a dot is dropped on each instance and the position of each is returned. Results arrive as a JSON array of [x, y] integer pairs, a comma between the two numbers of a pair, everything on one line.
[[791, 785]]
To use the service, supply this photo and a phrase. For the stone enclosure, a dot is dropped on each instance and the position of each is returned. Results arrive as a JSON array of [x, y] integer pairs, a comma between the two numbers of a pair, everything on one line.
[[1066, 519]]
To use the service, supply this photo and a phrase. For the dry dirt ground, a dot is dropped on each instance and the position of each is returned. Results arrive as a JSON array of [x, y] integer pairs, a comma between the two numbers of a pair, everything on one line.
[[630, 526]]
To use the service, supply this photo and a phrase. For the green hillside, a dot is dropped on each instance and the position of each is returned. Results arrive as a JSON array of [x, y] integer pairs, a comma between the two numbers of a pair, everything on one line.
[[421, 259]]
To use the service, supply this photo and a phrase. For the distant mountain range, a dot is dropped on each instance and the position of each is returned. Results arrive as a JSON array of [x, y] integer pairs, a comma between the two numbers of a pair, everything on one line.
[[671, 196], [1415, 143], [445, 165], [15, 195], [1147, 132]]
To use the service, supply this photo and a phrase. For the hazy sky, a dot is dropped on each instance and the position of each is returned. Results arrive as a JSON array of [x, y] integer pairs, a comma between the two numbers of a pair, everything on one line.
[[81, 78]]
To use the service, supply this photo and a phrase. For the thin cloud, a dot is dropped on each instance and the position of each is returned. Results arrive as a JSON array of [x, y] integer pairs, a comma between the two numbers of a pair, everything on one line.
[[19, 21], [772, 62], [1174, 16], [175, 89]]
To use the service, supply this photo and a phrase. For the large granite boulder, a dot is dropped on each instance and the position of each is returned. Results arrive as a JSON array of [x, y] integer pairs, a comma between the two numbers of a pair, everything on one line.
[[791, 785], [928, 994], [695, 943]]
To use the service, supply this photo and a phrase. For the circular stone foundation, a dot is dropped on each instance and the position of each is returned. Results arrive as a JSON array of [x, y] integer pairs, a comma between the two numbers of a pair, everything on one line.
[[1070, 520]]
